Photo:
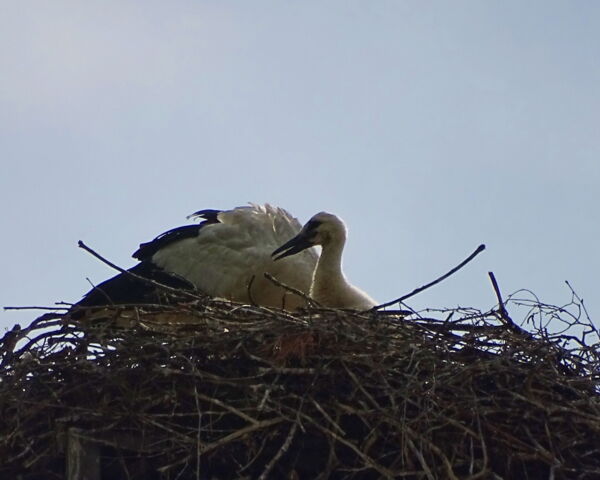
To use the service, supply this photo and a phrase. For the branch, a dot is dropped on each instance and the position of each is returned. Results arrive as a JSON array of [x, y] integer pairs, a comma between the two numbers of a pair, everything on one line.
[[501, 306], [479, 249], [502, 312], [284, 448], [34, 307], [310, 301]]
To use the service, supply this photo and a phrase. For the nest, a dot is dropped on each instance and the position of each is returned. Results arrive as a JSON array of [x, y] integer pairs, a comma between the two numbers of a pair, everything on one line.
[[213, 390]]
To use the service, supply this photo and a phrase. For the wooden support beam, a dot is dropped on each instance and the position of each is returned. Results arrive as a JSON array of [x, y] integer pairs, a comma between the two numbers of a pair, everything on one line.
[[83, 456]]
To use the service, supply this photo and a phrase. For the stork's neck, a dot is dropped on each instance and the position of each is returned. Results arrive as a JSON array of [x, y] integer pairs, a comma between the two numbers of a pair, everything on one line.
[[329, 266]]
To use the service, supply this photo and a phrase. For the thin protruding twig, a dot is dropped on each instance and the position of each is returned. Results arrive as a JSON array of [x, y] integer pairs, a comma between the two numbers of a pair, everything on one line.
[[35, 307], [477, 251], [310, 301], [250, 296], [580, 300], [501, 306], [503, 313]]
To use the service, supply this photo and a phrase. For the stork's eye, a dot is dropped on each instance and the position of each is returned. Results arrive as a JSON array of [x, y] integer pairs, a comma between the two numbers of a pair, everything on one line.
[[312, 226]]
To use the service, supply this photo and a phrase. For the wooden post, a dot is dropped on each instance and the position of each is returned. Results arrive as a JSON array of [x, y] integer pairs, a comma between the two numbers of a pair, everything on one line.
[[83, 456]]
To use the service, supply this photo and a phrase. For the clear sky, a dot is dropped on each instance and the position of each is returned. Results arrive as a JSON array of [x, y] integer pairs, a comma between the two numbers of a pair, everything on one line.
[[429, 127]]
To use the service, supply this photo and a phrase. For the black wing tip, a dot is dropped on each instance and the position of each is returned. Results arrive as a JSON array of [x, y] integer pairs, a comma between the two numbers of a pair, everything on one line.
[[208, 214], [148, 249]]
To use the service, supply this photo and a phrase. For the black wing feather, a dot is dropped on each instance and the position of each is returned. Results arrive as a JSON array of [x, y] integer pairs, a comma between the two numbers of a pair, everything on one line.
[[123, 289], [148, 249], [208, 214]]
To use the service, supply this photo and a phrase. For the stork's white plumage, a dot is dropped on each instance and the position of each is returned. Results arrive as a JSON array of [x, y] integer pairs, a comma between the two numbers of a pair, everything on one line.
[[228, 259], [228, 254]]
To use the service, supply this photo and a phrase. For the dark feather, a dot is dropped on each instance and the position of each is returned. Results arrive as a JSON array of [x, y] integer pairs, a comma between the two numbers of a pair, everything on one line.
[[124, 289], [208, 214], [148, 249]]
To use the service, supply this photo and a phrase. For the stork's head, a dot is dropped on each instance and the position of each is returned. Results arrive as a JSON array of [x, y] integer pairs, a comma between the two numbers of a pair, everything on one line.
[[322, 229]]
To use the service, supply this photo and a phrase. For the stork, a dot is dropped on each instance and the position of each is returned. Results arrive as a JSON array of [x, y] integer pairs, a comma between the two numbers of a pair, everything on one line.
[[227, 255]]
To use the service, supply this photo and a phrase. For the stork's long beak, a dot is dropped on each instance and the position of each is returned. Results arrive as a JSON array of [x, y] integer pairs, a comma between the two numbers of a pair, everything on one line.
[[295, 245]]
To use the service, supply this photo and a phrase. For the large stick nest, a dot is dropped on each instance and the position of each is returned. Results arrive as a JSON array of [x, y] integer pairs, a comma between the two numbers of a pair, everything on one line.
[[210, 389]]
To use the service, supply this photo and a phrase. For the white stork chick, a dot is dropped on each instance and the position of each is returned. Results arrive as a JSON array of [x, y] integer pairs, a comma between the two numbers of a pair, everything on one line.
[[329, 286]]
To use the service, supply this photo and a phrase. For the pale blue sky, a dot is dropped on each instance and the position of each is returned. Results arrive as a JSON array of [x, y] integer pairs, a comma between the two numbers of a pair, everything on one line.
[[430, 127]]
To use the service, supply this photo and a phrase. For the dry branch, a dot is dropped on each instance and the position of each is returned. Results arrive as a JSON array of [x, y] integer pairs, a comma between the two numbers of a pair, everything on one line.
[[401, 299]]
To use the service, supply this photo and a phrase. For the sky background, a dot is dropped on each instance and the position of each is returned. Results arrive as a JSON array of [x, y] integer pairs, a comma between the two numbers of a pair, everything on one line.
[[429, 127]]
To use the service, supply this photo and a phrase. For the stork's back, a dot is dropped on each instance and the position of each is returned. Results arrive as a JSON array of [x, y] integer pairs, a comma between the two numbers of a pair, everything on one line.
[[229, 258]]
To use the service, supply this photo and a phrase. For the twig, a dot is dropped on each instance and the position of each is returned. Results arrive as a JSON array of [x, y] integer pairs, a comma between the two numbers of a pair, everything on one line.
[[52, 309], [250, 296], [479, 249], [310, 301], [225, 406], [284, 448], [502, 312], [328, 417], [501, 306], [580, 300], [98, 289], [240, 433], [419, 454]]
